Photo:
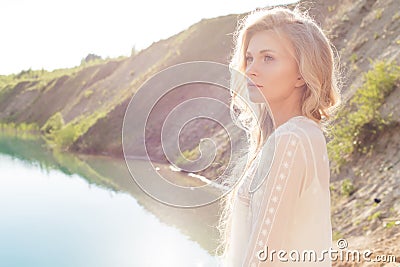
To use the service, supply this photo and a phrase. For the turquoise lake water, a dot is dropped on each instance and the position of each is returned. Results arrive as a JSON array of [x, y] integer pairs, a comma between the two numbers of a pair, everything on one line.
[[58, 209]]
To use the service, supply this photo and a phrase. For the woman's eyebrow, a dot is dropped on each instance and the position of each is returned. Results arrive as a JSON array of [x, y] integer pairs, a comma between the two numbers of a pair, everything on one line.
[[263, 51]]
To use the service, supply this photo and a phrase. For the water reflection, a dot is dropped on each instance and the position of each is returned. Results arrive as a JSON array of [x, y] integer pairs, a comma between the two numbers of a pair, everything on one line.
[[60, 209]]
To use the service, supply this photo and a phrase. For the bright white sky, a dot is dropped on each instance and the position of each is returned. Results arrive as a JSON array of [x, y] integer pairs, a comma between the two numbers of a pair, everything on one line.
[[54, 34]]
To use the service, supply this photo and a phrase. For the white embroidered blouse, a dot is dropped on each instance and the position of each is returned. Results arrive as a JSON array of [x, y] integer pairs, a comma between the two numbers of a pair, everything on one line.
[[285, 205]]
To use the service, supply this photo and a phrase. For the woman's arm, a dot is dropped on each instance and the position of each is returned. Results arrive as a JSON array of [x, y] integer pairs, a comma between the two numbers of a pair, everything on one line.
[[276, 200]]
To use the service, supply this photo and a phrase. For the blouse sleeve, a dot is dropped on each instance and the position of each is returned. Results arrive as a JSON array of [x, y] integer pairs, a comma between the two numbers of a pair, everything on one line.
[[275, 200]]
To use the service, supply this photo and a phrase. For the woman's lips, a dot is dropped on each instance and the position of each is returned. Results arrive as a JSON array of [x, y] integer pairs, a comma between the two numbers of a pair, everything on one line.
[[254, 85]]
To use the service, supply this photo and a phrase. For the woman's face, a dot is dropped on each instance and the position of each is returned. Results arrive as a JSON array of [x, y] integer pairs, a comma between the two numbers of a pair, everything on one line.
[[271, 69]]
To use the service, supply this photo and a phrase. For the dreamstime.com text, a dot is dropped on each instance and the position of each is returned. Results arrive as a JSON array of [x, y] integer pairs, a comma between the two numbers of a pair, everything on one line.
[[341, 254]]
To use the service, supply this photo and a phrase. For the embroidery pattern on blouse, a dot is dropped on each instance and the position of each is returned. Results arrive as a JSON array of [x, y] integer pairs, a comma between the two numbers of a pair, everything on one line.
[[268, 214]]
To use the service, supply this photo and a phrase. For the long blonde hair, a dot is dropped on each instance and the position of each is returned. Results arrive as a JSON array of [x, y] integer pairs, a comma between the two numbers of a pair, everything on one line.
[[317, 65]]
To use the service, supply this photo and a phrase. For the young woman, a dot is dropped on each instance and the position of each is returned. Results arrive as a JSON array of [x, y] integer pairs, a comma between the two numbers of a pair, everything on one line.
[[278, 213]]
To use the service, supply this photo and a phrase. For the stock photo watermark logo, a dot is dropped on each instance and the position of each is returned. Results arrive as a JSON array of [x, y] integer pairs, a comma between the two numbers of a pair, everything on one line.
[[161, 110], [342, 254]]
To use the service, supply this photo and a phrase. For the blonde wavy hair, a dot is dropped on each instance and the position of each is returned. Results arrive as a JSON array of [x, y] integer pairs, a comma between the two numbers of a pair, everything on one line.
[[319, 67]]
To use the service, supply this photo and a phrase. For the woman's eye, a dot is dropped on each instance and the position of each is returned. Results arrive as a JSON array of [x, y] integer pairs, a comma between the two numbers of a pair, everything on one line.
[[248, 59], [266, 58]]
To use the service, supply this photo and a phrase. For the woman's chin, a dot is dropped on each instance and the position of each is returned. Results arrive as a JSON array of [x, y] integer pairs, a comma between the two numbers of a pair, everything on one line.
[[256, 98]]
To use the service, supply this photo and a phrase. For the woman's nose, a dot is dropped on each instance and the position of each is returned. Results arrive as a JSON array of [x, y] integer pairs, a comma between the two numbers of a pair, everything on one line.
[[251, 69]]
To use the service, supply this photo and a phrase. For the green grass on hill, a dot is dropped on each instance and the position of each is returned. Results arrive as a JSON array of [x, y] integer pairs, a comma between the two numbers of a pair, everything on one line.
[[361, 119], [43, 77]]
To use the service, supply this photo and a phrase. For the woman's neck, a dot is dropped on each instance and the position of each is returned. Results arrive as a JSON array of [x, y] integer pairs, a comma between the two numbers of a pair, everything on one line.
[[282, 114]]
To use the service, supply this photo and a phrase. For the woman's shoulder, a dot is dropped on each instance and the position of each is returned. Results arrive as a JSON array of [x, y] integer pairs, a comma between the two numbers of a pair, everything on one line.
[[303, 129]]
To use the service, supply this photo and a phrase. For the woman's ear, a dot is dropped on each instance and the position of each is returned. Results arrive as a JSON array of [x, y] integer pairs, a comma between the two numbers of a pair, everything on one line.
[[300, 82]]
